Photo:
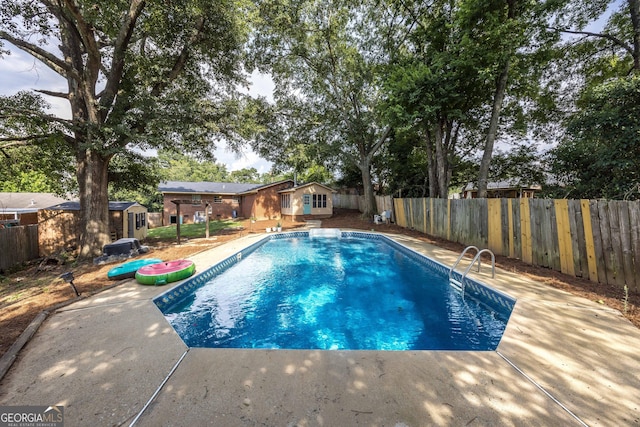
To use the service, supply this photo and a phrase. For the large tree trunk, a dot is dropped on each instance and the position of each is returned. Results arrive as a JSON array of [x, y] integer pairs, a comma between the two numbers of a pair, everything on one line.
[[431, 166], [370, 207], [498, 98], [441, 161], [364, 163], [94, 202]]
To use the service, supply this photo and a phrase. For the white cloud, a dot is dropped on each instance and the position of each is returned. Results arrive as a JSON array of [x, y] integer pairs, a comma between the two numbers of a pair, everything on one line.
[[261, 85], [21, 72], [247, 159]]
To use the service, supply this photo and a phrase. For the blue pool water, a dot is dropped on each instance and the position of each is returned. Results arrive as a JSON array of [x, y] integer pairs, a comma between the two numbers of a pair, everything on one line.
[[328, 293]]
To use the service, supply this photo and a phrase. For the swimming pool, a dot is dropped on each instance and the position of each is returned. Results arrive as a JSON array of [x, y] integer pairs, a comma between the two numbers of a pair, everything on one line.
[[351, 290]]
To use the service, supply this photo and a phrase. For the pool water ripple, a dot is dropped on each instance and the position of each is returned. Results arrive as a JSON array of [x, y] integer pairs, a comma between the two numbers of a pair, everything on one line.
[[326, 293]]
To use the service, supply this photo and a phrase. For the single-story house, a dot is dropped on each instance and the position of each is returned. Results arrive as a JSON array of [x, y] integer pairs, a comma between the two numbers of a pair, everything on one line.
[[225, 200], [59, 224], [230, 200], [22, 208], [307, 200], [503, 189]]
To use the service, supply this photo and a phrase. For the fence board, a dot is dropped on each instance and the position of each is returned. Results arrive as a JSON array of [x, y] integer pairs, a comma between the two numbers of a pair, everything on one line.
[[598, 248], [609, 256], [552, 233], [517, 237], [578, 241], [525, 231], [616, 249], [634, 220], [494, 226], [626, 255], [506, 226], [537, 243]]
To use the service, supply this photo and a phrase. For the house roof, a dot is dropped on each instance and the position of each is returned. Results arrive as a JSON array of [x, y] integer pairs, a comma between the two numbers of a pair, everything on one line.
[[503, 185], [27, 202], [205, 187], [75, 206], [227, 188], [309, 184]]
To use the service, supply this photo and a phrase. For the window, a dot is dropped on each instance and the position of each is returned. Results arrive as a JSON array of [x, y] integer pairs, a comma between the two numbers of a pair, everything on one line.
[[285, 201], [319, 200], [196, 199], [217, 199], [235, 201], [141, 220]]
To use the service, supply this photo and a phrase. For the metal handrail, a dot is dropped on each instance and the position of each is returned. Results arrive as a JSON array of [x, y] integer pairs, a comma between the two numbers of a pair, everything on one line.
[[455, 264], [477, 257]]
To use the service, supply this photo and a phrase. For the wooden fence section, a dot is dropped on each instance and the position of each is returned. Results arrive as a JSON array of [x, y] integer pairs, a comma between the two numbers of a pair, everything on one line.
[[352, 201], [594, 239], [17, 245]]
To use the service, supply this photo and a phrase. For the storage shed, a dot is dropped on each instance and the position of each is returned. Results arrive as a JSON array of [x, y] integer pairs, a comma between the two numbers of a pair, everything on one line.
[[307, 201], [58, 228]]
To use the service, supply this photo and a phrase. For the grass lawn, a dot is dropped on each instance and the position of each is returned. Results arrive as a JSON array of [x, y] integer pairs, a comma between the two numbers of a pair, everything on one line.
[[190, 230]]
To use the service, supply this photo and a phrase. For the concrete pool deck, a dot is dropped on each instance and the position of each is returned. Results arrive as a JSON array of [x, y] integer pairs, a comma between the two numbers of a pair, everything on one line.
[[112, 360]]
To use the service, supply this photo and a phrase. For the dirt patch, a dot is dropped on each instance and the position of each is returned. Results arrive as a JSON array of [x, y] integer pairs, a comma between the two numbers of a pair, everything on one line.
[[26, 293]]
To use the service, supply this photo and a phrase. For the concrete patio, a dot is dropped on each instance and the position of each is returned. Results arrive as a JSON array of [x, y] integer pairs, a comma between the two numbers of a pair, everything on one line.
[[112, 360]]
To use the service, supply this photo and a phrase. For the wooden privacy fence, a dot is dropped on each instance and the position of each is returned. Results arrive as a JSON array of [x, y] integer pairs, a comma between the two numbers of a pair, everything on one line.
[[353, 201], [17, 245], [594, 239]]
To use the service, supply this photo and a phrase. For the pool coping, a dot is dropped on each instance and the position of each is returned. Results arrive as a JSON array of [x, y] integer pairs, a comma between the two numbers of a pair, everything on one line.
[[563, 360]]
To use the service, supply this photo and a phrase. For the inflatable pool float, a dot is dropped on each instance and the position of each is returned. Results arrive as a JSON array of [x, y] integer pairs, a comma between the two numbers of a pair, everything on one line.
[[165, 272], [128, 269]]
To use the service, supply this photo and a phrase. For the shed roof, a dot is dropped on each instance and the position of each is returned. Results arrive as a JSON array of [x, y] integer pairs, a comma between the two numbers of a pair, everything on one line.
[[205, 187], [227, 188], [309, 184], [503, 185], [75, 206]]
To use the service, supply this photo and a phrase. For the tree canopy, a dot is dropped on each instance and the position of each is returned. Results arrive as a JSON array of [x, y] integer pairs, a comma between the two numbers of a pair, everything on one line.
[[139, 75]]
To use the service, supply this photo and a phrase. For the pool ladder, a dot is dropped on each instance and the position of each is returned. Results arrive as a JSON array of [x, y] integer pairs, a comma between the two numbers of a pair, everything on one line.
[[460, 283]]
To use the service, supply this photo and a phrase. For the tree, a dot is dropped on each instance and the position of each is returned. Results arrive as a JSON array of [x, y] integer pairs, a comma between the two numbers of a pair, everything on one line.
[[245, 175], [182, 167], [38, 161], [139, 75], [438, 83], [324, 58], [600, 158]]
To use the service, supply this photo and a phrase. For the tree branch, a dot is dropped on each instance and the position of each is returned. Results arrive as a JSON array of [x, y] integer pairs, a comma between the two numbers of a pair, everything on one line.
[[119, 53], [614, 39], [19, 141], [379, 142], [47, 58], [181, 60], [18, 113], [51, 93]]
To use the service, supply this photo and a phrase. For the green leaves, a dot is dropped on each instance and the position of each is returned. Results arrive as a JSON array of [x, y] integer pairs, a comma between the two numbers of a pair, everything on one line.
[[601, 156]]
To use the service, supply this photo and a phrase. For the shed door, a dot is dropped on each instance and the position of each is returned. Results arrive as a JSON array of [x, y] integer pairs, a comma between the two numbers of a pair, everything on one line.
[[306, 204], [131, 225]]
